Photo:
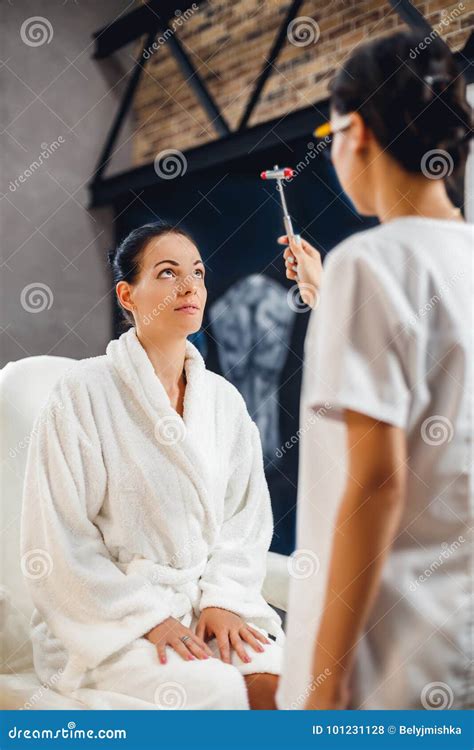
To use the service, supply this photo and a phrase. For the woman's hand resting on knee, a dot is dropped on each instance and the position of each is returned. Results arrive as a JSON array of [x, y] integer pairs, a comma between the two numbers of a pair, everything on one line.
[[230, 631], [187, 644]]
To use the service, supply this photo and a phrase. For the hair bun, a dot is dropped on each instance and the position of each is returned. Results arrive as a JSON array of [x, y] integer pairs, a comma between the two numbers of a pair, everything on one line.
[[438, 85], [425, 107], [443, 123]]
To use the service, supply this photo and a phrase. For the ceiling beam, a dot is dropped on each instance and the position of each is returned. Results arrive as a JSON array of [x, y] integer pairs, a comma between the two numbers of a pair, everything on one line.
[[125, 105], [267, 68], [297, 124], [194, 81], [411, 15], [138, 22], [229, 145]]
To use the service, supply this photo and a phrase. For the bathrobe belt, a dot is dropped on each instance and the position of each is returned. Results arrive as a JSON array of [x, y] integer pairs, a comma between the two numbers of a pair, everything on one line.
[[180, 586], [164, 575], [169, 576]]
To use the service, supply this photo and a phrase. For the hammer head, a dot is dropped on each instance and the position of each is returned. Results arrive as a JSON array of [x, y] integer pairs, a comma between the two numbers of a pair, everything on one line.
[[277, 174]]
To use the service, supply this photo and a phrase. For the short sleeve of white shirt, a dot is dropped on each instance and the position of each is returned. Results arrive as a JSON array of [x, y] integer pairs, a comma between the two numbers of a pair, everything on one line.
[[357, 347]]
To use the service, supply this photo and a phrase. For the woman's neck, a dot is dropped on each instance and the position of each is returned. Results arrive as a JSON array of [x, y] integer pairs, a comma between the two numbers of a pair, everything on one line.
[[167, 357], [413, 195]]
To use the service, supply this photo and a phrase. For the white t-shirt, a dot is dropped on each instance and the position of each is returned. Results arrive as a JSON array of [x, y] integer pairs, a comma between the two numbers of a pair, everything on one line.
[[392, 337]]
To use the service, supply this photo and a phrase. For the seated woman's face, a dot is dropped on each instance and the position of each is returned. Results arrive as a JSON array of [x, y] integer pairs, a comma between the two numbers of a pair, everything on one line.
[[170, 293]]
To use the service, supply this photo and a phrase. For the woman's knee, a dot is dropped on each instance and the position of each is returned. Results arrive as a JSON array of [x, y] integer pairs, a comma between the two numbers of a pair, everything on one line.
[[203, 684], [225, 685], [261, 689]]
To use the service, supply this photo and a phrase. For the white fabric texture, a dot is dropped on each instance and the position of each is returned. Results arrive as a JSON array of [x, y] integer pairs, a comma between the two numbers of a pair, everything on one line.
[[134, 679], [392, 338], [132, 514]]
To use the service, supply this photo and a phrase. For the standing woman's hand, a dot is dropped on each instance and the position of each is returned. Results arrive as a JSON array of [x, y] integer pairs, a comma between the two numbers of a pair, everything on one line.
[[310, 269]]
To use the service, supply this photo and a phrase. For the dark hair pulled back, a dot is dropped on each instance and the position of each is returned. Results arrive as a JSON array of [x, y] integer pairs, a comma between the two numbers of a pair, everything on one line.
[[411, 94]]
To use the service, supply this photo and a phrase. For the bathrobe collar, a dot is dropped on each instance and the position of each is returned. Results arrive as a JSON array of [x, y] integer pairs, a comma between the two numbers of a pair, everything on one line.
[[185, 439], [136, 370]]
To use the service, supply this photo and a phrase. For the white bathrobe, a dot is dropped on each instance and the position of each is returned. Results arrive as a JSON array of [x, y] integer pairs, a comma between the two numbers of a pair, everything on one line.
[[132, 514]]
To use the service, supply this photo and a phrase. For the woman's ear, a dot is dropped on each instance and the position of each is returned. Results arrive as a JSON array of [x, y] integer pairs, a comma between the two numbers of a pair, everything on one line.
[[359, 134], [124, 295]]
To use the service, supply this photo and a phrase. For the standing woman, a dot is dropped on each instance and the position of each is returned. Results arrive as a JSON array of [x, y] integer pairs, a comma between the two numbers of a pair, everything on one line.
[[380, 614]]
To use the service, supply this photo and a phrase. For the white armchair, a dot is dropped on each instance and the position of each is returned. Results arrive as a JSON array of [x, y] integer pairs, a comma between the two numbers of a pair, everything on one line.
[[24, 387]]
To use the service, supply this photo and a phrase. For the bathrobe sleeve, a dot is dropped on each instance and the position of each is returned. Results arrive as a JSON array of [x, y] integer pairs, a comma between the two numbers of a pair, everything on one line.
[[87, 602], [236, 568]]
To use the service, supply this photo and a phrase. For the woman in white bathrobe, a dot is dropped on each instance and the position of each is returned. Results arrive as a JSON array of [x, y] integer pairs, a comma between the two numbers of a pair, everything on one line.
[[146, 514]]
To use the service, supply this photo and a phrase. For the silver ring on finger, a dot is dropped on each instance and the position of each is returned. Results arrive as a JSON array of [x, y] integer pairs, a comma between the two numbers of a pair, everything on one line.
[[185, 638]]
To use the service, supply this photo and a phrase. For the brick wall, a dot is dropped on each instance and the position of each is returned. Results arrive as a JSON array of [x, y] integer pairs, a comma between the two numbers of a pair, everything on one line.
[[228, 42]]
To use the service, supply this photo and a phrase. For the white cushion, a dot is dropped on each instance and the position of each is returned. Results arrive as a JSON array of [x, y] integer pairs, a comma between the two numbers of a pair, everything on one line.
[[24, 387]]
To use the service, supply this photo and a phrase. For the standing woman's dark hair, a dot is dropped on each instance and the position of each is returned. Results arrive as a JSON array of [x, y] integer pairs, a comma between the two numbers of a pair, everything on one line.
[[125, 259], [411, 93]]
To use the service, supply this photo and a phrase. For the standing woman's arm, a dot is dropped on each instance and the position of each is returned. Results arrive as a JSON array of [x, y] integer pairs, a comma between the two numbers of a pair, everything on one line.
[[367, 523]]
